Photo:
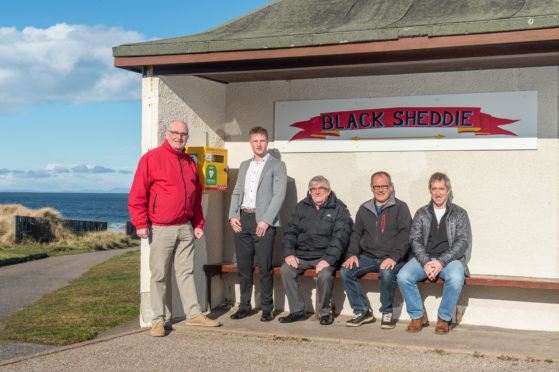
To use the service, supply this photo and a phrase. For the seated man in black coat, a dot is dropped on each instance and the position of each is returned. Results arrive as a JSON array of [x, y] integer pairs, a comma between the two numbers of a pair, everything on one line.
[[316, 237]]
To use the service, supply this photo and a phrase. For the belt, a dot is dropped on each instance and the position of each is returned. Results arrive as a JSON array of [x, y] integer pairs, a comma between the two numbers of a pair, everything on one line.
[[248, 210]]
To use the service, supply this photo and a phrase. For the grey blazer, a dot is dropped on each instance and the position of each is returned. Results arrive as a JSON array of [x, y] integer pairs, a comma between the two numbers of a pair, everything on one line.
[[270, 193]]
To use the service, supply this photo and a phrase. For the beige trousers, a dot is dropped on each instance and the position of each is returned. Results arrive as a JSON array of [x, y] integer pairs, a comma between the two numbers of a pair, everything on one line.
[[172, 245]]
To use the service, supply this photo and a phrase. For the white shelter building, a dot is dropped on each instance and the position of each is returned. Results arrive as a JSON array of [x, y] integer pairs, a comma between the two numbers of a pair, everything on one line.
[[294, 60]]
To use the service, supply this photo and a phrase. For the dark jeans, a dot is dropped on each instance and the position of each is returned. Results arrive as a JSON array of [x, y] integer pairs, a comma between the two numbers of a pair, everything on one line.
[[247, 245], [387, 278]]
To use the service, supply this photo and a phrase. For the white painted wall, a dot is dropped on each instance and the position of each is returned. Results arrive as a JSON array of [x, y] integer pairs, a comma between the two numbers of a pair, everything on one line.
[[511, 196], [162, 102]]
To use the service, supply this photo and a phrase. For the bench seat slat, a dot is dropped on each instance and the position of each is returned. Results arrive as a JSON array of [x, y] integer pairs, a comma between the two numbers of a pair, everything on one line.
[[474, 280]]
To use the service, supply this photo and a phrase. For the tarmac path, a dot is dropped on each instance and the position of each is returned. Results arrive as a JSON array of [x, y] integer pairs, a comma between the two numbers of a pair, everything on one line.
[[195, 349], [22, 284]]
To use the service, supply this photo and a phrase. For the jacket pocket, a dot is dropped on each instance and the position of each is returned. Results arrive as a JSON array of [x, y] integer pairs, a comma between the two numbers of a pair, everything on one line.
[[153, 206]]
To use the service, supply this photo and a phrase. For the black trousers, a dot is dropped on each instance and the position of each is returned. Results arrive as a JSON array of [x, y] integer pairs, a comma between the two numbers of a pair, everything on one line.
[[248, 245]]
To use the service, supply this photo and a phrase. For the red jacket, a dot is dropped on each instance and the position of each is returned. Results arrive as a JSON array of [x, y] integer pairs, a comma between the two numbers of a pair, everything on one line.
[[166, 190]]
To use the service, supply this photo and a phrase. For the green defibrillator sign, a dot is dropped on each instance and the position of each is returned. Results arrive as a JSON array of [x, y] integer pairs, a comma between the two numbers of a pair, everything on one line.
[[211, 175]]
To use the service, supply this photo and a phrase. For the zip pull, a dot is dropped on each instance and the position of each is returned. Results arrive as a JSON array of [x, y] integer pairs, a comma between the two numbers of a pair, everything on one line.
[[383, 223]]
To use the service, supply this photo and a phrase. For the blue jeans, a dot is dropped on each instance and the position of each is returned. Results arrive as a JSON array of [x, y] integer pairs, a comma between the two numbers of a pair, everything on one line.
[[355, 295], [412, 272]]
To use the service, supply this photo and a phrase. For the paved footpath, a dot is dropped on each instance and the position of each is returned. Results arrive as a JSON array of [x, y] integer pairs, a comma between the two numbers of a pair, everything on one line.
[[267, 347], [22, 284]]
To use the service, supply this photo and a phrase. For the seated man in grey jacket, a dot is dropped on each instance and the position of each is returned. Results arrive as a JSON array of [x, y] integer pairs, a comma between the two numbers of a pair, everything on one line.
[[316, 237], [439, 237]]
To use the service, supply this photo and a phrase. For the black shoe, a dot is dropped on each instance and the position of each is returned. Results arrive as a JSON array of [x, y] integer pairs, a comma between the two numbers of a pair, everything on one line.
[[387, 321], [266, 316], [168, 326], [362, 318], [293, 317], [240, 314], [326, 320]]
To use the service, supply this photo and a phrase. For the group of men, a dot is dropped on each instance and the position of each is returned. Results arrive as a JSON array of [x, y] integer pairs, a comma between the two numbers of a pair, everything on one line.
[[165, 207]]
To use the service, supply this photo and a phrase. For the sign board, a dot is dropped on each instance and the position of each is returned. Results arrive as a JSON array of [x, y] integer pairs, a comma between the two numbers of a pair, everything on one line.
[[477, 121]]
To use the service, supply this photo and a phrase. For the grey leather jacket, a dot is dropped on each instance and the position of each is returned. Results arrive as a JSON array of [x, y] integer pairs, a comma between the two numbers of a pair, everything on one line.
[[457, 229]]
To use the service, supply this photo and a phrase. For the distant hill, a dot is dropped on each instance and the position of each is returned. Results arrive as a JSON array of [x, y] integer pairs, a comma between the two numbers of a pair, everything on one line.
[[117, 190]]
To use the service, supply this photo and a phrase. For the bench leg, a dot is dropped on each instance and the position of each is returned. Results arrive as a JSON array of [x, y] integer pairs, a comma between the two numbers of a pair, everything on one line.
[[316, 300], [209, 292]]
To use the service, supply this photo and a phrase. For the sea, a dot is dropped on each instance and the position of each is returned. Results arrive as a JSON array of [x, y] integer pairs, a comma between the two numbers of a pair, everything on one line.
[[108, 207]]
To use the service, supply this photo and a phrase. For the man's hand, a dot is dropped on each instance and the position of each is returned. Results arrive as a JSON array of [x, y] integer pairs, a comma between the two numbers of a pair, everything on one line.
[[235, 224], [198, 233], [143, 233], [261, 228], [437, 268], [428, 270], [348, 264], [433, 269], [388, 264], [321, 265], [292, 261]]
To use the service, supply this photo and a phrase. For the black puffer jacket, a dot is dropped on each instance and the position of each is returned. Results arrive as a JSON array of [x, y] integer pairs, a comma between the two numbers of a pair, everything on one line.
[[318, 234]]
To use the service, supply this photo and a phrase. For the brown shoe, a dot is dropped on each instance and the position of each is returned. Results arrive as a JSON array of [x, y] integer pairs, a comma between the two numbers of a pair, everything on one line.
[[202, 320], [442, 326], [417, 324], [157, 329]]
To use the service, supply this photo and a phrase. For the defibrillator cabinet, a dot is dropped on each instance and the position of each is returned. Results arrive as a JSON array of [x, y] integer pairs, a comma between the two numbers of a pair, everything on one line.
[[212, 166]]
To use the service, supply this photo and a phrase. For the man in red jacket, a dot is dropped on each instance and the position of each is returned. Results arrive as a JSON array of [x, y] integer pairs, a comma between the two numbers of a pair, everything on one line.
[[165, 206]]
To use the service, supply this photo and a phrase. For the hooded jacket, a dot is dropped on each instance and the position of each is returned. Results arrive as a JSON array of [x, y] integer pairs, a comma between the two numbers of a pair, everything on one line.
[[381, 235], [166, 190], [318, 234], [457, 231]]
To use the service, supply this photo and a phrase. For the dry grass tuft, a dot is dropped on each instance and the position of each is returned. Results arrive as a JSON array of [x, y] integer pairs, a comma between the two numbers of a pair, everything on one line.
[[98, 241], [51, 218]]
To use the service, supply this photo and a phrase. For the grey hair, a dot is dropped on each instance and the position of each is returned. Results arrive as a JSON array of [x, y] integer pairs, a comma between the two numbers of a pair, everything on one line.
[[439, 176], [171, 123], [319, 179], [381, 173]]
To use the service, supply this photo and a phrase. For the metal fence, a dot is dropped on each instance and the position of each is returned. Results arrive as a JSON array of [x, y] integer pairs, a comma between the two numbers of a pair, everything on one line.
[[40, 229], [80, 227], [129, 229]]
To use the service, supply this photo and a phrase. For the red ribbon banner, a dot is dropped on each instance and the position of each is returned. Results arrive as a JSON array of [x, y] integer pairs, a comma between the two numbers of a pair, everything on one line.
[[464, 119]]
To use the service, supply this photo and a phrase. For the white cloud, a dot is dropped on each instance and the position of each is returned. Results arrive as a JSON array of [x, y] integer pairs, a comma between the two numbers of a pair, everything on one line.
[[79, 168], [68, 63], [59, 177]]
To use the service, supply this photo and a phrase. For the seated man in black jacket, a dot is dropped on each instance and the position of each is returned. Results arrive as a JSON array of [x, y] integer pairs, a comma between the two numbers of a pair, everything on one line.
[[316, 237], [378, 243]]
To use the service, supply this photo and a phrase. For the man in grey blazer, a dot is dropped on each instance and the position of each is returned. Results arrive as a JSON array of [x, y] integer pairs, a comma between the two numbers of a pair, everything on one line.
[[254, 215]]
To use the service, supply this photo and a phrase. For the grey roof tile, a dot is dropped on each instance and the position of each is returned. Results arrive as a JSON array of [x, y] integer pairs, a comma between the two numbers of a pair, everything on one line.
[[296, 23]]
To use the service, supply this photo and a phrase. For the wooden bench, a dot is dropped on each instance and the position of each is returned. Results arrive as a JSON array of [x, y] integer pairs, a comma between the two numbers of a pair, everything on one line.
[[474, 280]]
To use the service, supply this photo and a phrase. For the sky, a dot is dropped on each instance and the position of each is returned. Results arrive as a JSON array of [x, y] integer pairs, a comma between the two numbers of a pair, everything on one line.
[[69, 120]]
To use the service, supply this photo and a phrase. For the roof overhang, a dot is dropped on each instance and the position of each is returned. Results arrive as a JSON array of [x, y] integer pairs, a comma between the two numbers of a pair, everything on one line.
[[405, 55]]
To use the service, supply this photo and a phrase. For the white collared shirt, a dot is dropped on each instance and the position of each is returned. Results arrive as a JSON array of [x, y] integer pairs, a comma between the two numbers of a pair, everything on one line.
[[254, 172]]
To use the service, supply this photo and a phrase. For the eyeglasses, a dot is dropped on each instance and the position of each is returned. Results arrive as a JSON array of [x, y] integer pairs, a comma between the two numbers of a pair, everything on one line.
[[381, 187], [182, 134], [317, 189]]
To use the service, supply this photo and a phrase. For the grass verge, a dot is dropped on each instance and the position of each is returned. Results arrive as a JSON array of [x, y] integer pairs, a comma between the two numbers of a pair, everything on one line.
[[102, 298], [90, 242]]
